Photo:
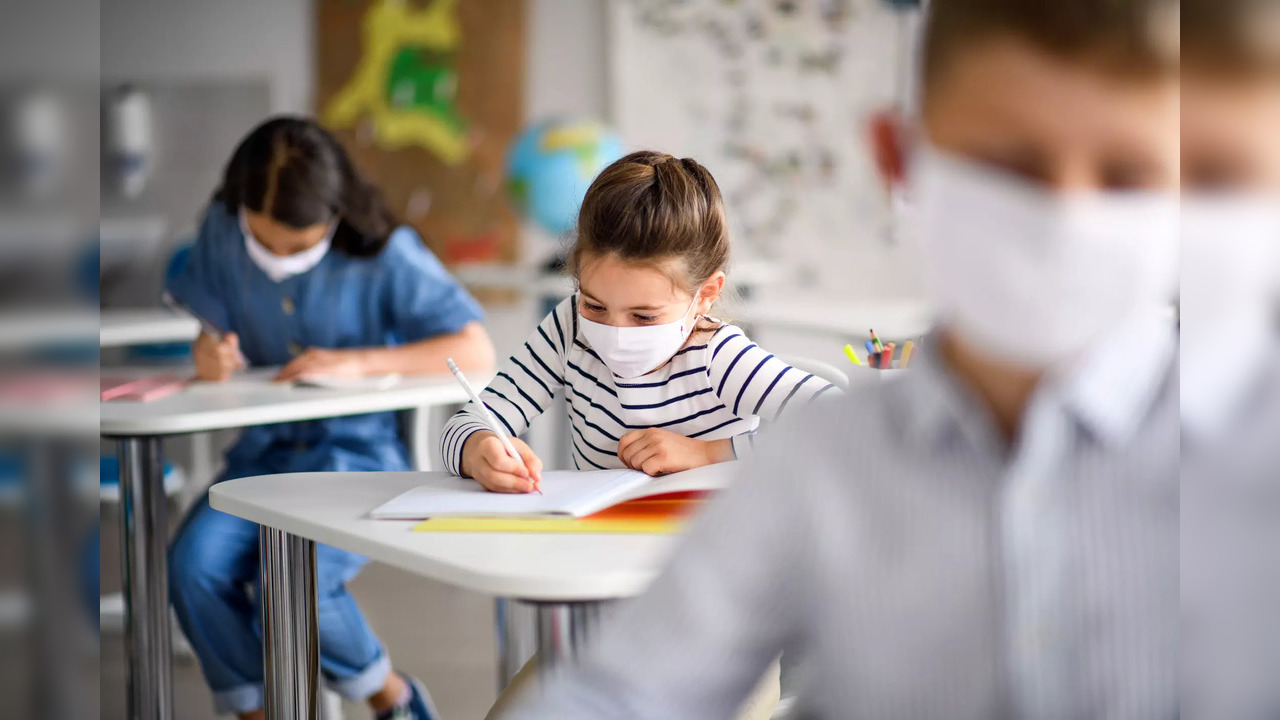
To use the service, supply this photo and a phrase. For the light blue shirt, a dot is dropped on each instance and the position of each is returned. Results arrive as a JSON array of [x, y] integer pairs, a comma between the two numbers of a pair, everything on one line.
[[921, 566], [402, 295], [1231, 535]]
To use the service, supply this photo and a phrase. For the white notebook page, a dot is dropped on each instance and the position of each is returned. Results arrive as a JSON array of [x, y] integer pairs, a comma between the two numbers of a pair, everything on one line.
[[563, 493]]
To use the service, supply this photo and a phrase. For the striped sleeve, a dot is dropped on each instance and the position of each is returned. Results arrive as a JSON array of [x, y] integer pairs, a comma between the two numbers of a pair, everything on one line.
[[521, 391], [751, 382]]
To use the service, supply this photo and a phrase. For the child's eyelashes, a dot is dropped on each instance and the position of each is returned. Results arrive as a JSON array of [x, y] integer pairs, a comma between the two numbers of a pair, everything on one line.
[[589, 308]]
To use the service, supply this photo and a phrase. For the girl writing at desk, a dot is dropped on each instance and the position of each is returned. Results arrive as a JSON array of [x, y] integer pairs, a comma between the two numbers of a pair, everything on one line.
[[653, 382], [299, 264]]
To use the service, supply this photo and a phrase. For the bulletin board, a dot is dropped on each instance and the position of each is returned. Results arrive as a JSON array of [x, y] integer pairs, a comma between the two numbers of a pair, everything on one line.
[[427, 95], [773, 97]]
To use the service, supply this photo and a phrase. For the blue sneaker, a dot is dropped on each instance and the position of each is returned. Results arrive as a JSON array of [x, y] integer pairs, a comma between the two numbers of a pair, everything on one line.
[[418, 707]]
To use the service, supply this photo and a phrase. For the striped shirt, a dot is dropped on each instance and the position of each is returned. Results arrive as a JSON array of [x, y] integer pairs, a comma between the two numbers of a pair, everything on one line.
[[716, 387], [921, 565]]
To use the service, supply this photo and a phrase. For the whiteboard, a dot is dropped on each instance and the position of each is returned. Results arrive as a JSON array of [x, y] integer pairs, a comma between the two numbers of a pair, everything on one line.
[[772, 96]]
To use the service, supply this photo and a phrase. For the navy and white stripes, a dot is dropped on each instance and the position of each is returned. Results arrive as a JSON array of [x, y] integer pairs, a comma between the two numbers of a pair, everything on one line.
[[718, 386]]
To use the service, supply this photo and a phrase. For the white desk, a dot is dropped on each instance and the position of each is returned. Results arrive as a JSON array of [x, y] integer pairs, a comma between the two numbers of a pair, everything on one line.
[[140, 427], [333, 508], [251, 399], [892, 319], [522, 278], [27, 329], [140, 326], [565, 576]]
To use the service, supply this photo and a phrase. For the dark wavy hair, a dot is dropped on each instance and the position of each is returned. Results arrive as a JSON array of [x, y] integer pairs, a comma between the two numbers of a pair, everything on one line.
[[294, 171]]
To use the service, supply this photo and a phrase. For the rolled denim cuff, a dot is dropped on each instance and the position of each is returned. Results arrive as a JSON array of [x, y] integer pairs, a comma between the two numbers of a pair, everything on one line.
[[239, 700], [364, 683]]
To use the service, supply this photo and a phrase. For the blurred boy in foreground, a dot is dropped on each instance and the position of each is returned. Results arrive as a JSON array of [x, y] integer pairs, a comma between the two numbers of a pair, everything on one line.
[[995, 535], [1231, 413]]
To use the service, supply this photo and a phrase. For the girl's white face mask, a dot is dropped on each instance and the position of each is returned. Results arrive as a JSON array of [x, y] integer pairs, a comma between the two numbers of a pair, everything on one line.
[[282, 267], [630, 352], [1038, 278]]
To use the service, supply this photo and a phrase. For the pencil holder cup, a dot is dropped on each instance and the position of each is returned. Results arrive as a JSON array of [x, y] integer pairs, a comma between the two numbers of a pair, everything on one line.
[[862, 375]]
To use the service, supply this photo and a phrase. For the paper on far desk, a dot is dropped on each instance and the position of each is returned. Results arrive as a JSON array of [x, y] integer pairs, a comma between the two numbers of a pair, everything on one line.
[[372, 382], [262, 379]]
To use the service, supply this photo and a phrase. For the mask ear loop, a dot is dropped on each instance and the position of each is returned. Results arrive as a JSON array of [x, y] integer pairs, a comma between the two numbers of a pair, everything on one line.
[[693, 323]]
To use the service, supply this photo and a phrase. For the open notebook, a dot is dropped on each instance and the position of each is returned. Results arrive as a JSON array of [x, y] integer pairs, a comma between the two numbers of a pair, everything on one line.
[[564, 494]]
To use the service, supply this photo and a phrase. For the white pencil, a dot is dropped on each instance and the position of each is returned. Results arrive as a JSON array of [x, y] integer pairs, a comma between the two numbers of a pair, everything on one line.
[[488, 417]]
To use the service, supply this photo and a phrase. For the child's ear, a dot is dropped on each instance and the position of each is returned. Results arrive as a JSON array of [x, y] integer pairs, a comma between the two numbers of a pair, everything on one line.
[[710, 292], [888, 137]]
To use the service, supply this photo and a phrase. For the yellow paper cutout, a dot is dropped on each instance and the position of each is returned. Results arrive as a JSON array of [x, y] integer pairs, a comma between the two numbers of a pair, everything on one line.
[[392, 31]]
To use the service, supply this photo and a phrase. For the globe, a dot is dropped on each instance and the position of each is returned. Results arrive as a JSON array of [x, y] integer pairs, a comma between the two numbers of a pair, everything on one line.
[[551, 164]]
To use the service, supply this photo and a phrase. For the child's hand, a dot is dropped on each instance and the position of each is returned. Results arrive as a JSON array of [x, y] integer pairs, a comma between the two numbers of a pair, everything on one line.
[[216, 360], [326, 363], [484, 459], [655, 451]]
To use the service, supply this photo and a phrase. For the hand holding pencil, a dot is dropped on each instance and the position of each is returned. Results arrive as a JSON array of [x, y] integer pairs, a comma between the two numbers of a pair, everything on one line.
[[485, 458], [498, 462]]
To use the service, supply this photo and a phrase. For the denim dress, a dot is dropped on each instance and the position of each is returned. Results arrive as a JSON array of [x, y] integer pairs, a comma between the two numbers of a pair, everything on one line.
[[402, 295]]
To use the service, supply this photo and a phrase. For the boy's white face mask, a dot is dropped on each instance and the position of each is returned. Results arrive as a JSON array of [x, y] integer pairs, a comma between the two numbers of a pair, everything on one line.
[[1037, 278], [1230, 265], [630, 352], [282, 267], [1230, 283]]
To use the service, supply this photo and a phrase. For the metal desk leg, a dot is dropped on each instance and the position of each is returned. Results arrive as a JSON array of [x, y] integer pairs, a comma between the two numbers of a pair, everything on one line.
[[516, 641], [144, 528], [290, 634], [53, 542], [563, 629]]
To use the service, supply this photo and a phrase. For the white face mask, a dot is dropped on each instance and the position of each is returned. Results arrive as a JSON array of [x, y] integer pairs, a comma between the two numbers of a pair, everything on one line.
[[1230, 282], [1035, 278], [630, 352], [1230, 265], [281, 267]]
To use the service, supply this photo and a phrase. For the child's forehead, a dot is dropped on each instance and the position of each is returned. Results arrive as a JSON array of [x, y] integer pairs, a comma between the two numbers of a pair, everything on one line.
[[1004, 64], [1010, 89], [612, 278]]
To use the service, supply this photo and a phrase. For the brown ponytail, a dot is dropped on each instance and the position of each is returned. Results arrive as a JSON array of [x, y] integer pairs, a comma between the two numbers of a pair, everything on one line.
[[650, 207]]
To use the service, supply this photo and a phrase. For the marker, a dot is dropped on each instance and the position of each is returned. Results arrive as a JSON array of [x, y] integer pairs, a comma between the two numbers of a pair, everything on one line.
[[886, 359], [853, 356], [879, 345], [490, 420], [871, 348], [906, 354]]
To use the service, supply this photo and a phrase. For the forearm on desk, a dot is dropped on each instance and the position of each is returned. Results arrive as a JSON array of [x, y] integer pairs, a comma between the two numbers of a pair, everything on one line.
[[470, 348]]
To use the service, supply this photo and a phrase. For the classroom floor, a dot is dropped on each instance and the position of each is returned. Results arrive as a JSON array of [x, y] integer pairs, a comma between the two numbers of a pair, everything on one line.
[[442, 635]]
